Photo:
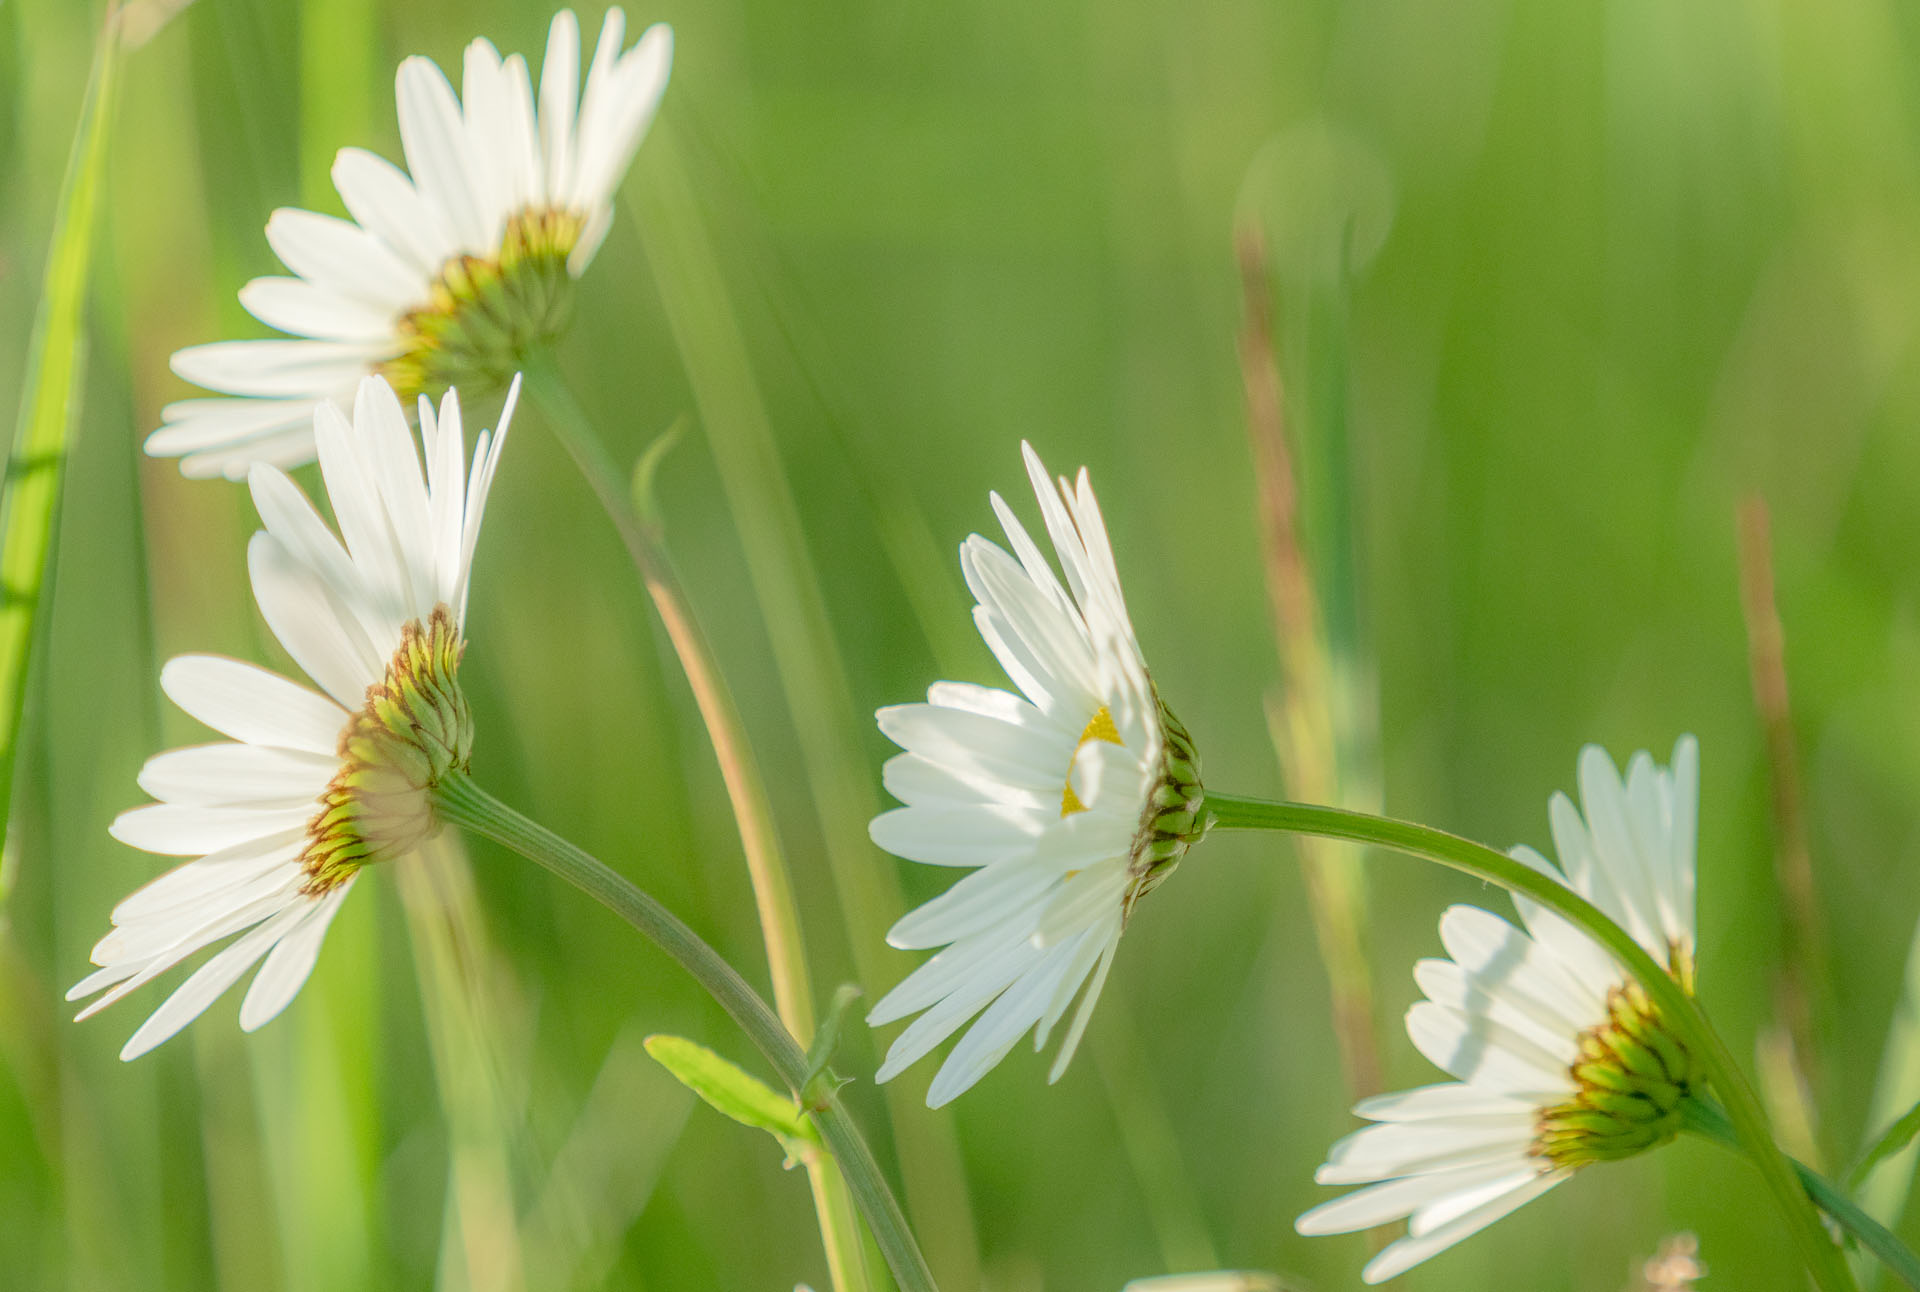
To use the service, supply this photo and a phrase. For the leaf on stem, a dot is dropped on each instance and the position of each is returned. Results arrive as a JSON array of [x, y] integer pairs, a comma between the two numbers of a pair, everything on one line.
[[729, 1089]]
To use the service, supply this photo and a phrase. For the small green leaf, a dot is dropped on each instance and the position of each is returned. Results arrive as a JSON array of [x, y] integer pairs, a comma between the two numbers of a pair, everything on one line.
[[825, 1037], [647, 467], [735, 1092], [1895, 1138]]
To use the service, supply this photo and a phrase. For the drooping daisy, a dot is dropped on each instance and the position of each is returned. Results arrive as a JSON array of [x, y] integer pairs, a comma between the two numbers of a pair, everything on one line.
[[446, 276], [1072, 799], [313, 785], [1561, 1059]]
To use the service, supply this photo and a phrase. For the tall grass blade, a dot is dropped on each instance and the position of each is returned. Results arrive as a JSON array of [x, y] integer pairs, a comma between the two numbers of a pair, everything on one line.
[[700, 312], [49, 407]]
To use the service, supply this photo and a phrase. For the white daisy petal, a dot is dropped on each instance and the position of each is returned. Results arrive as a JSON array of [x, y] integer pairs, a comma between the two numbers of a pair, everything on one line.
[[1403, 1255], [253, 705], [271, 862], [1531, 1021], [454, 268], [1045, 791]]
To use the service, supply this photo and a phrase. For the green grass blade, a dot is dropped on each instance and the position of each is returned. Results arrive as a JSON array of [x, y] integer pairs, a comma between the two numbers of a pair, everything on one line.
[[787, 587], [48, 408]]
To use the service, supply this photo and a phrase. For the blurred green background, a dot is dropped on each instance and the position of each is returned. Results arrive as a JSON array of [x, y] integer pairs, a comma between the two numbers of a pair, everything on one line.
[[1643, 260]]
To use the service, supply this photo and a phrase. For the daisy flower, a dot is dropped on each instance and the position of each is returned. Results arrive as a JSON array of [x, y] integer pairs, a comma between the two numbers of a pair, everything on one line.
[[313, 785], [1072, 798], [1561, 1061], [445, 276]]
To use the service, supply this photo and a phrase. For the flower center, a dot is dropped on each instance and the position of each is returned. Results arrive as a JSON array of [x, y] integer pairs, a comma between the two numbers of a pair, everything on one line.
[[413, 730], [483, 314], [1099, 727], [1633, 1075]]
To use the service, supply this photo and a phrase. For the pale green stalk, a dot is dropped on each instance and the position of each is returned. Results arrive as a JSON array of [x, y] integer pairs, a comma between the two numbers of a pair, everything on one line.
[[461, 802], [739, 771], [1311, 721], [1676, 1007], [834, 762], [1706, 1120], [480, 1246], [49, 404]]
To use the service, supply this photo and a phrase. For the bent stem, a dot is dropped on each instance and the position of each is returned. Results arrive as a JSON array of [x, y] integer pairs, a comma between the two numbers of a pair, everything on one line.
[[461, 802], [746, 790], [1706, 1120], [1749, 1122]]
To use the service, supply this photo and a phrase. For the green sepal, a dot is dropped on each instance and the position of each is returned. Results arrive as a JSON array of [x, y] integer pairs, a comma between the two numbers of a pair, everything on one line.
[[730, 1089]]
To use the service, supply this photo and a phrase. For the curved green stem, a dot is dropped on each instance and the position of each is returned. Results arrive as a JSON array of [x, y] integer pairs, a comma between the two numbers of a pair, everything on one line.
[[1707, 1121], [461, 802], [1676, 1006], [739, 771]]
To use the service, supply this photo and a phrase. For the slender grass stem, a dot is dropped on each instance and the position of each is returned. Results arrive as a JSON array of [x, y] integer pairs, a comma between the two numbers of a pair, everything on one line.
[[463, 803], [739, 771], [1677, 1008], [1707, 1121], [698, 302], [56, 362]]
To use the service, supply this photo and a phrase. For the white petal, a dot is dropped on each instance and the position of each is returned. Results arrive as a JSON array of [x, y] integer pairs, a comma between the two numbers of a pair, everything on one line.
[[974, 746], [1402, 1256], [1392, 1200], [383, 200], [286, 450], [193, 996], [237, 775], [287, 968], [298, 306], [1438, 1102], [207, 881], [311, 623], [271, 369], [191, 424], [1486, 1054], [434, 136], [621, 117], [559, 101], [345, 259], [996, 894], [969, 836], [185, 831], [252, 704], [1384, 1150]]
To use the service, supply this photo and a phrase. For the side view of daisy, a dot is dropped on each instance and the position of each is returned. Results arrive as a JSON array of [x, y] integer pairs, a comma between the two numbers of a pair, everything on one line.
[[1560, 1059], [447, 275], [1071, 799], [313, 785]]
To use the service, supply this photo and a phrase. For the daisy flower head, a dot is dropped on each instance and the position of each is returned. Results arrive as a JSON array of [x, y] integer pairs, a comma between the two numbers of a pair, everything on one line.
[[313, 785], [1560, 1058], [447, 273], [1070, 799]]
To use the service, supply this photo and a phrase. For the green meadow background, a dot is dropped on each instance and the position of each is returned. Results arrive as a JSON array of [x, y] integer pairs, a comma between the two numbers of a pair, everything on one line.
[[1556, 287]]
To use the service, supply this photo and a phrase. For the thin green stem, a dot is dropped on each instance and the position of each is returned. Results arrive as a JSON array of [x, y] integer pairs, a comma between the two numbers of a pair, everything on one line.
[[461, 802], [1707, 1121], [739, 771], [1676, 1006]]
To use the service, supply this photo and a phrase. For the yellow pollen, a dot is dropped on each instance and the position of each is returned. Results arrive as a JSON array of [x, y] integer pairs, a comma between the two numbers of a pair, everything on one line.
[[1099, 727]]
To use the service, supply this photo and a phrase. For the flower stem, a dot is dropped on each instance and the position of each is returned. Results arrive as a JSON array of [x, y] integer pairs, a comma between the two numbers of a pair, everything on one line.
[[461, 802], [739, 771], [1706, 1120], [1748, 1120]]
